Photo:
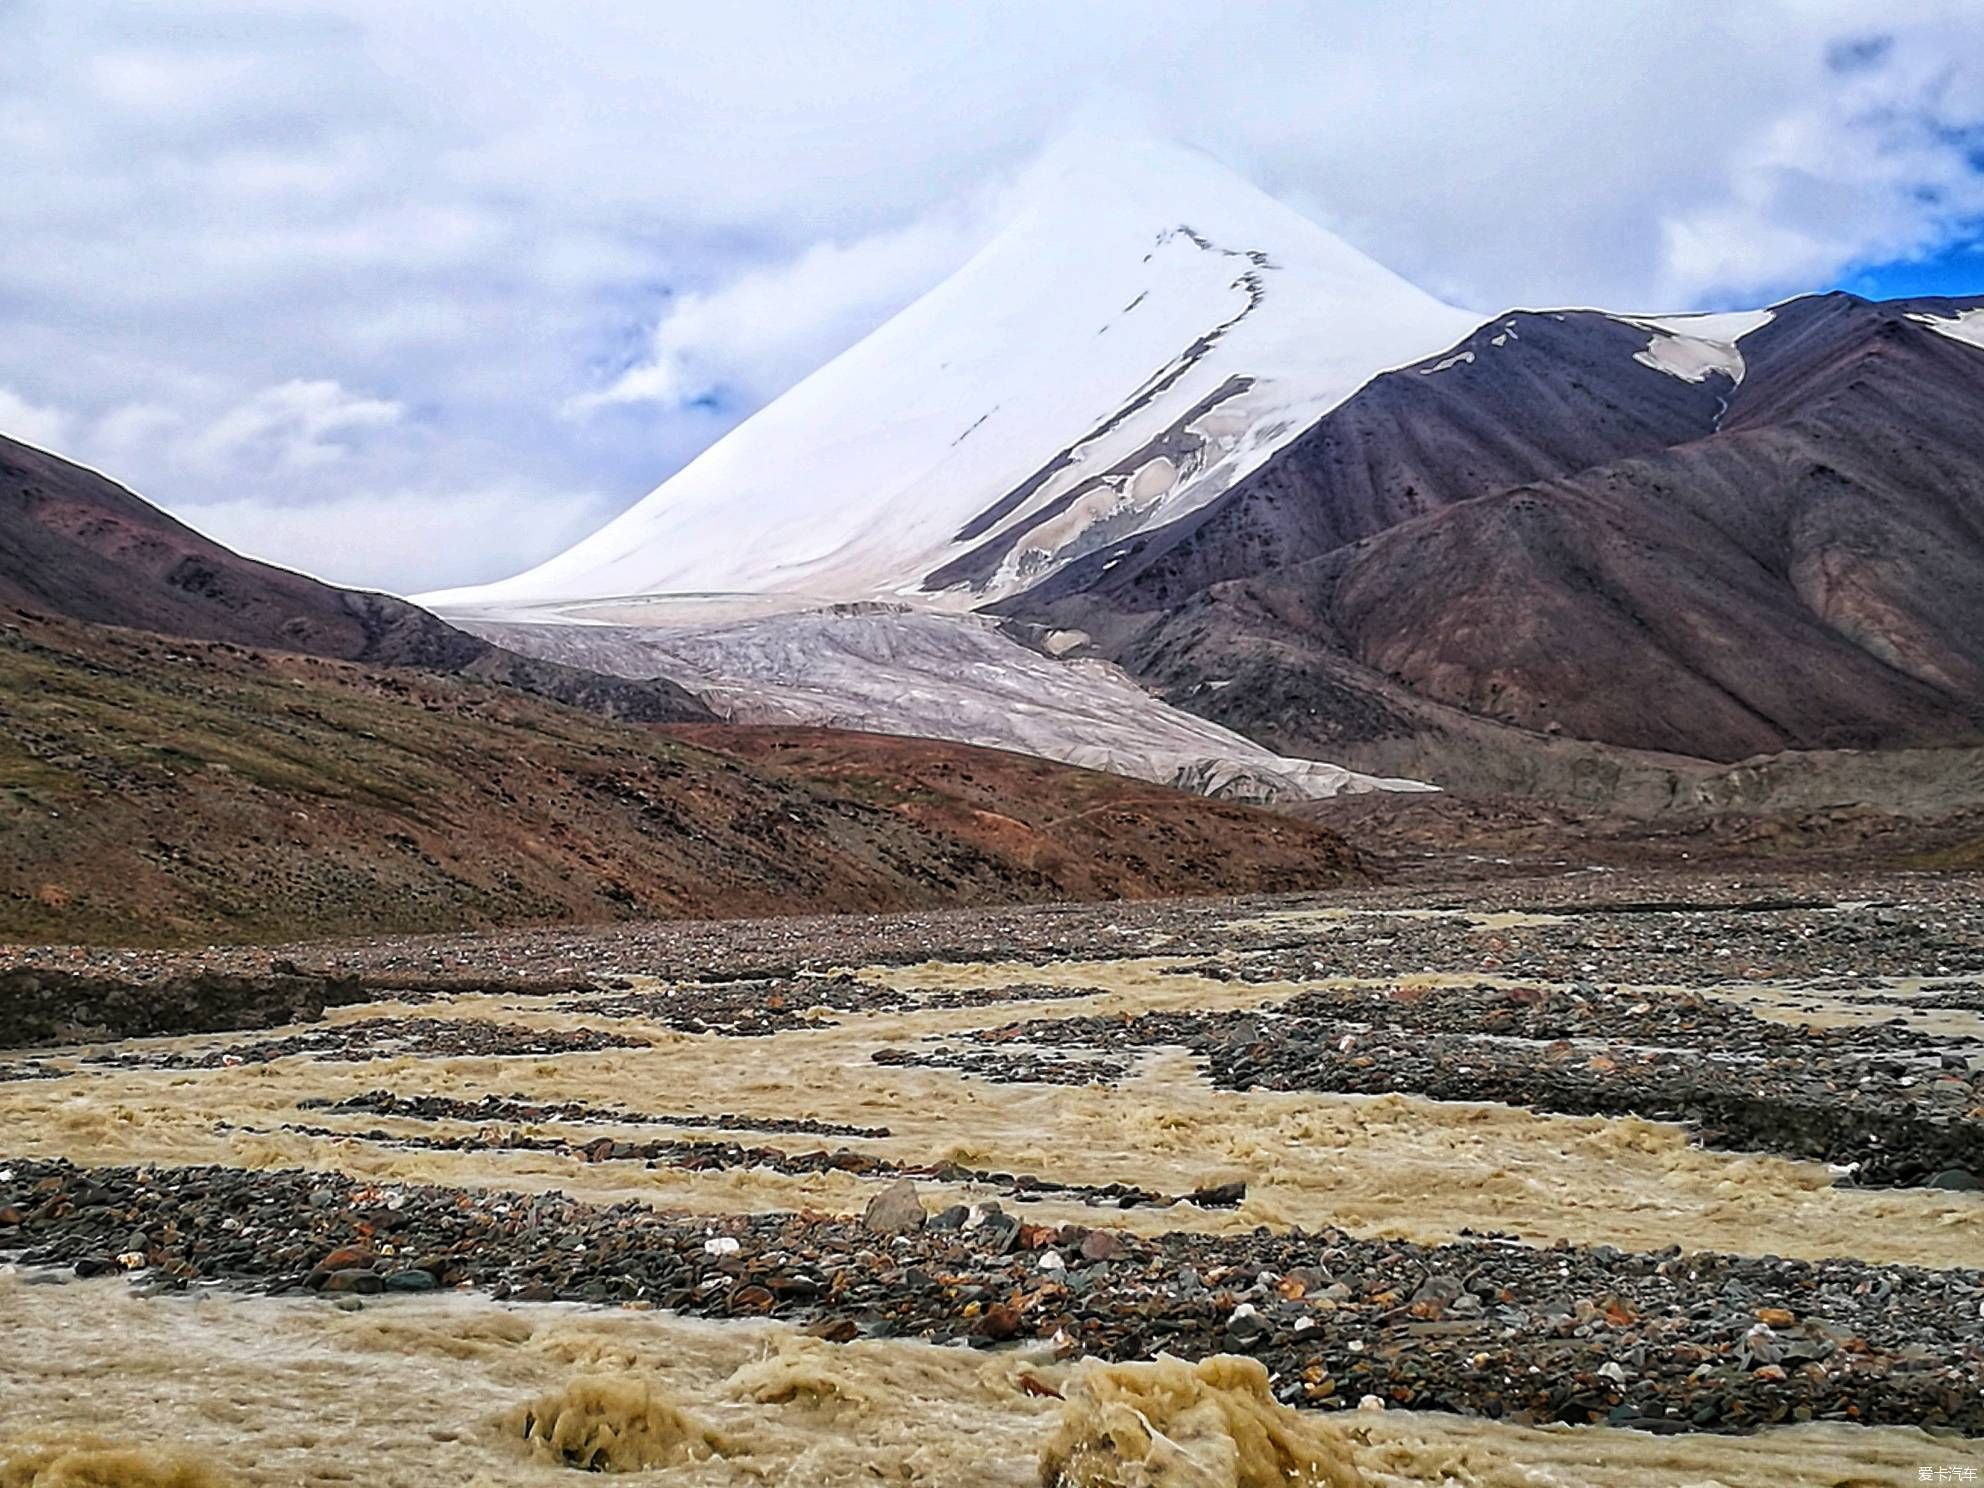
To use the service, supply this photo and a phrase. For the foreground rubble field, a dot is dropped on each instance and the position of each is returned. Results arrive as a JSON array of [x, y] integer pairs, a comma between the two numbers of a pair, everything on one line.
[[1589, 1180]]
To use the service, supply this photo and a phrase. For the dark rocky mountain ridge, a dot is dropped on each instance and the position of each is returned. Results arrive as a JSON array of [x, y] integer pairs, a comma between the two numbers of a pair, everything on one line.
[[78, 545], [1556, 541]]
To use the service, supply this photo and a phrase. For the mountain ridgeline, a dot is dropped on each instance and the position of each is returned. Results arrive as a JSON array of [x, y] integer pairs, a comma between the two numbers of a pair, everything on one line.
[[1165, 423], [78, 545], [195, 746], [1282, 488], [1552, 529]]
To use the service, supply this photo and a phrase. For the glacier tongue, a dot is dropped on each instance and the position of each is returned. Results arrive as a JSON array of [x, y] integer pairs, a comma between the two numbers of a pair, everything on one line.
[[1147, 329], [887, 668]]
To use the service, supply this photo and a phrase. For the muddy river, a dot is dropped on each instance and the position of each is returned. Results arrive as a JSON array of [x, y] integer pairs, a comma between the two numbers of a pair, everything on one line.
[[115, 1380]]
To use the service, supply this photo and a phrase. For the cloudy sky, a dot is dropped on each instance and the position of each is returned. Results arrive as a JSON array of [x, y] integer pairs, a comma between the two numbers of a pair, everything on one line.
[[416, 294]]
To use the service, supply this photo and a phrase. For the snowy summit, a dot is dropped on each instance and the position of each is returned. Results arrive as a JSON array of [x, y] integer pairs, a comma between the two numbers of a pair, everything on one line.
[[1148, 328]]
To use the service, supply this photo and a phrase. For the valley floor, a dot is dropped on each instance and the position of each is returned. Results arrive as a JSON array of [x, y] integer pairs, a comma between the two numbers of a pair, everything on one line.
[[1588, 1178]]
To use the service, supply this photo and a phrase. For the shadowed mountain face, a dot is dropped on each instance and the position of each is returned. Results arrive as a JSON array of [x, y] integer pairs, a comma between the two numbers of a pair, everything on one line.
[[1559, 537], [75, 544]]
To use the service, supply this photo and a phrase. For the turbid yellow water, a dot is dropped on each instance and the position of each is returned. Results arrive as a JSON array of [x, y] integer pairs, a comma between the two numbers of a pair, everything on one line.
[[427, 1391], [1387, 1165], [441, 1390]]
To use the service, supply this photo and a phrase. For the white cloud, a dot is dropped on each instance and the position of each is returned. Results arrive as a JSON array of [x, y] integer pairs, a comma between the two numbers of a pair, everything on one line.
[[403, 541], [299, 248], [163, 81], [349, 532], [37, 424], [295, 425], [757, 334], [131, 432], [1874, 168]]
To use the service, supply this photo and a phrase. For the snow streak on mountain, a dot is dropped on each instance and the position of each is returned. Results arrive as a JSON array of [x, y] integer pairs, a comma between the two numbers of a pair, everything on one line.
[[1147, 330]]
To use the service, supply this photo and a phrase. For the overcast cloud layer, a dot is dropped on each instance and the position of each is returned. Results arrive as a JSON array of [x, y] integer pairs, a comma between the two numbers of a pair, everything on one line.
[[416, 294]]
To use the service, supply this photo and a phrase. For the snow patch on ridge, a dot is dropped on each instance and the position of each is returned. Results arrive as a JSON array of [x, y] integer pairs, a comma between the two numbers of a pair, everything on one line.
[[1692, 347], [1966, 326], [1726, 326], [1689, 359]]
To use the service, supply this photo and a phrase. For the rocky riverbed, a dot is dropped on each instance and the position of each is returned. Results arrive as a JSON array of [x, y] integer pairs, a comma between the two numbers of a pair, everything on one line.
[[1543, 1188], [1582, 1335]]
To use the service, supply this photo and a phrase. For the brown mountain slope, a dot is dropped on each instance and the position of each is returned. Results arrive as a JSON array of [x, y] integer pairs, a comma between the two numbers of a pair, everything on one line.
[[1808, 575], [1104, 837], [154, 790], [77, 544]]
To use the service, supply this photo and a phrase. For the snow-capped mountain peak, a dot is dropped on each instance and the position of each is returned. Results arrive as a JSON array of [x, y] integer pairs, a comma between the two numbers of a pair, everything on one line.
[[1147, 328]]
